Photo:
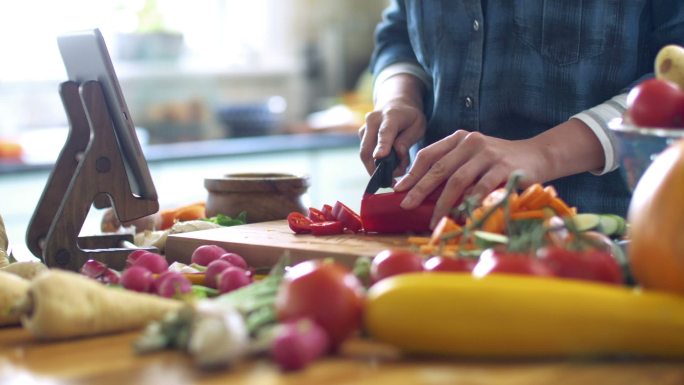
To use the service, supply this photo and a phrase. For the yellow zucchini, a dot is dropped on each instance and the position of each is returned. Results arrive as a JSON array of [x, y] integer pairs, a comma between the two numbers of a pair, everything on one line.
[[522, 317]]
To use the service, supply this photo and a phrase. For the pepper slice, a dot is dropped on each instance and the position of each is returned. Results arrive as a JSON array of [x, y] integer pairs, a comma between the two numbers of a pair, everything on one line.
[[327, 228], [299, 223]]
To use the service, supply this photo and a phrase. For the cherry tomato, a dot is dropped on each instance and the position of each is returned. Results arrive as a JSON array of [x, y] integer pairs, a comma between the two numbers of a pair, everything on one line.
[[347, 216], [656, 103], [441, 263], [326, 292], [317, 215], [391, 262], [592, 265], [299, 223], [498, 261], [327, 228]]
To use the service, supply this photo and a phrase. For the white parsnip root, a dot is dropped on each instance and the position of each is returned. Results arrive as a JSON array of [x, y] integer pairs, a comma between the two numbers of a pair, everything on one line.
[[62, 304], [12, 289]]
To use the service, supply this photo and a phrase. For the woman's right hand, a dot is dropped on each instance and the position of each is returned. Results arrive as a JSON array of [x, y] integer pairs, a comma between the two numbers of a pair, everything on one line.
[[398, 122]]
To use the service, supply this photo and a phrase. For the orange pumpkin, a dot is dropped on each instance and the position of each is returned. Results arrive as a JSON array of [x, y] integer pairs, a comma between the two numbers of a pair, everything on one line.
[[656, 217]]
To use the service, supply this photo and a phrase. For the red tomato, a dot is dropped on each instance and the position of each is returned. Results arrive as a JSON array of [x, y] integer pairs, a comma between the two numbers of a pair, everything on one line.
[[347, 216], [299, 223], [391, 262], [326, 292], [656, 103], [439, 263], [317, 215], [327, 228], [591, 265], [497, 261]]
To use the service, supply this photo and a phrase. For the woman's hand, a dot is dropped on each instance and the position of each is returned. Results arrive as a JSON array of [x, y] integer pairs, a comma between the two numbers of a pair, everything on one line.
[[398, 122], [470, 163]]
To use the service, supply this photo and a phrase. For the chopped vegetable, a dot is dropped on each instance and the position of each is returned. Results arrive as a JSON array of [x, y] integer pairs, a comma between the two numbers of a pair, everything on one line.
[[225, 220]]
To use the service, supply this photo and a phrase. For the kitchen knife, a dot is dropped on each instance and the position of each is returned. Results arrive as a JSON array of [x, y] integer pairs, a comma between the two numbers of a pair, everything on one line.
[[382, 176]]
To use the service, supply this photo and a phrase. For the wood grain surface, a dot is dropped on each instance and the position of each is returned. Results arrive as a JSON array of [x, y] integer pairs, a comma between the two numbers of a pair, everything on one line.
[[261, 244], [110, 360]]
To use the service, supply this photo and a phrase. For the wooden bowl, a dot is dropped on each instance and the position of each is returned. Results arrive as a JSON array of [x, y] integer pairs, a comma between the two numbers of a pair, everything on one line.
[[263, 196]]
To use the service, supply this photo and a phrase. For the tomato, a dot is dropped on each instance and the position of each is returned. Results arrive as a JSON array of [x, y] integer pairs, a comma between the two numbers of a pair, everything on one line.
[[656, 103], [391, 262], [327, 228], [499, 261], [326, 292], [440, 263], [592, 265], [299, 223], [347, 216], [317, 215]]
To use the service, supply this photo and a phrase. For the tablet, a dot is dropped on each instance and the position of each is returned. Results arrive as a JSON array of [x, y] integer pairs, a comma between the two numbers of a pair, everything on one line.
[[86, 57]]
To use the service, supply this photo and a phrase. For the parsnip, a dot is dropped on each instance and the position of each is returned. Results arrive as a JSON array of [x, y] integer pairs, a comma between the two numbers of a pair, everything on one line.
[[669, 64], [62, 304], [26, 270], [12, 289]]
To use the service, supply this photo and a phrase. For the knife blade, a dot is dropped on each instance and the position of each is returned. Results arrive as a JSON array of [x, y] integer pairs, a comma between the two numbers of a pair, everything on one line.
[[382, 176]]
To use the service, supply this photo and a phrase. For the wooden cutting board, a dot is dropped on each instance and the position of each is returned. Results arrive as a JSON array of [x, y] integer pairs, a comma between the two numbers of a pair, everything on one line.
[[262, 244]]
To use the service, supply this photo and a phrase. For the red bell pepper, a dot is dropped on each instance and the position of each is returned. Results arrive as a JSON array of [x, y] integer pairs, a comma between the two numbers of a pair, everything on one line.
[[381, 213]]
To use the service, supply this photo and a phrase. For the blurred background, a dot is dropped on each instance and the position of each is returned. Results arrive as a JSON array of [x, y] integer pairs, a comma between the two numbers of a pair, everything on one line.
[[213, 86]]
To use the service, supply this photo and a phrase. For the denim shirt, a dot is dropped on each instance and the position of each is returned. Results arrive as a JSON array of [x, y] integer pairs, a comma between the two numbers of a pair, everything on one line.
[[516, 68]]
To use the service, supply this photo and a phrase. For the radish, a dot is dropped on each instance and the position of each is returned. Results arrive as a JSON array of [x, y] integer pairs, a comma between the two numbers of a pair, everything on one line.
[[298, 343], [134, 255], [93, 268], [206, 253], [214, 268], [153, 262], [137, 278], [235, 260], [232, 278], [173, 284]]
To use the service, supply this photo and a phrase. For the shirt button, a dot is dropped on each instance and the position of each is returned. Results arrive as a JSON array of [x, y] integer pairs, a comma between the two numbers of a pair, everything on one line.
[[468, 102], [476, 25]]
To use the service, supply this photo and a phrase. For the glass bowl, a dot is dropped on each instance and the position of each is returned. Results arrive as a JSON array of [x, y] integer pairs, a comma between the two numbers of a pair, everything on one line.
[[638, 147]]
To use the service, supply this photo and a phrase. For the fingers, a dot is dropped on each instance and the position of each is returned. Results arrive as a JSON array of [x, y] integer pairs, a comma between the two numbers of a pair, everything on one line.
[[404, 141]]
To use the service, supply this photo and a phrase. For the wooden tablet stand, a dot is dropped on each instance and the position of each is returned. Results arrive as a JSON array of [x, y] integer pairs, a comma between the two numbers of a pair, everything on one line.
[[89, 171]]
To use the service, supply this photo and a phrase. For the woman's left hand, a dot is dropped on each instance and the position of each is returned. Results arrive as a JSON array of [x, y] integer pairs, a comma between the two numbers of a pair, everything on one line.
[[468, 163]]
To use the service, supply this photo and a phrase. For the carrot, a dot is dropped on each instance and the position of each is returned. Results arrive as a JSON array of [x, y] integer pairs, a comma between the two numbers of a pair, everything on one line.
[[62, 304], [560, 207], [182, 213], [529, 214], [12, 289], [415, 240], [495, 222], [445, 226], [194, 278], [530, 193]]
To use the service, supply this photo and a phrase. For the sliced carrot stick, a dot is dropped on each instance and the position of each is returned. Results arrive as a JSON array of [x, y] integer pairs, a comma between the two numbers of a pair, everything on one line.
[[530, 193], [551, 190], [529, 214], [539, 201], [415, 240], [444, 226], [495, 222], [559, 206]]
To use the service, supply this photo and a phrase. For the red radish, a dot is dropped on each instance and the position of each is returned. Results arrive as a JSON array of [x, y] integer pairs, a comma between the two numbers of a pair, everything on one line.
[[153, 262], [235, 260], [137, 278], [110, 277], [298, 343], [232, 278], [214, 268], [173, 284], [206, 253], [134, 255], [93, 268]]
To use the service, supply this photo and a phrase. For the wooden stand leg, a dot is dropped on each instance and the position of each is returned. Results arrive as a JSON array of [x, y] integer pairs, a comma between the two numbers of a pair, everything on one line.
[[99, 171]]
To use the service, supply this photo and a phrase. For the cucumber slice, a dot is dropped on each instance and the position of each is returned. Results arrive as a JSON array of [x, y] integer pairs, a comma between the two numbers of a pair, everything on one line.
[[608, 225], [586, 221], [621, 225], [486, 239]]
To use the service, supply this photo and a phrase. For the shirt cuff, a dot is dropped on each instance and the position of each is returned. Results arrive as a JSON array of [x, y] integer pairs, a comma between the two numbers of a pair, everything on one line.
[[400, 68], [597, 119]]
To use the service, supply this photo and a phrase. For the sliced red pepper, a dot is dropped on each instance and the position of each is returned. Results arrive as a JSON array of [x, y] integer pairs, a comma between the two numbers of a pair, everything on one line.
[[349, 218], [299, 223], [328, 212], [381, 213], [327, 228], [317, 215]]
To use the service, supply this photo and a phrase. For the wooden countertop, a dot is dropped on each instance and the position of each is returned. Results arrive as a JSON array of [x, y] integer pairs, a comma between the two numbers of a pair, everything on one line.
[[110, 360]]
